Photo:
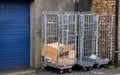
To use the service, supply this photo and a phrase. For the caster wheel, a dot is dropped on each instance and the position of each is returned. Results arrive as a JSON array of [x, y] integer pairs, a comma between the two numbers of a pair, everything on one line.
[[70, 70], [43, 67], [90, 68], [98, 66], [61, 71], [84, 69], [106, 66]]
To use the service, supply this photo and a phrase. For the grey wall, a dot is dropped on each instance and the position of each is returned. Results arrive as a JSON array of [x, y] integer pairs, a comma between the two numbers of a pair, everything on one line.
[[32, 31], [37, 7]]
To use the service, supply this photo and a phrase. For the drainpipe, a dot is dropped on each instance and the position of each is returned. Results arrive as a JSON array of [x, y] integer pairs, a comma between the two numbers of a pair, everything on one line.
[[76, 9], [76, 5], [116, 34]]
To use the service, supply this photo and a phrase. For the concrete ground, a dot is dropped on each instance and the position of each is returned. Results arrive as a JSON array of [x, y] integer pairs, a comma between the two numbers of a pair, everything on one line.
[[80, 72], [76, 71]]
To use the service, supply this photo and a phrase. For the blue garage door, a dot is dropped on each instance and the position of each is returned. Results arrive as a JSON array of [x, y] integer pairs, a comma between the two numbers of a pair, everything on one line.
[[14, 34]]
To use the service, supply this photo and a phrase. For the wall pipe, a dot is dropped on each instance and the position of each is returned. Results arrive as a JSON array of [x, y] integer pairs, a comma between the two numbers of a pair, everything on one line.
[[116, 34], [76, 5]]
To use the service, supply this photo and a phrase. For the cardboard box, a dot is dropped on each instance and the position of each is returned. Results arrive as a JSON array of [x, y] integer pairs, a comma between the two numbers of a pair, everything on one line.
[[71, 54], [66, 48], [51, 50], [66, 59], [65, 62]]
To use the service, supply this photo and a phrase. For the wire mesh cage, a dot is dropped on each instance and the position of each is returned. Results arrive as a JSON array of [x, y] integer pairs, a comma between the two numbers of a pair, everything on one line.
[[49, 33], [59, 40], [72, 38], [95, 38], [89, 34], [87, 37]]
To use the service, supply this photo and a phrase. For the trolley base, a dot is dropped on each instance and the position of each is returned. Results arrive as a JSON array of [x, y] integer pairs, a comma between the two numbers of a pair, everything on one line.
[[97, 61], [84, 63], [69, 67]]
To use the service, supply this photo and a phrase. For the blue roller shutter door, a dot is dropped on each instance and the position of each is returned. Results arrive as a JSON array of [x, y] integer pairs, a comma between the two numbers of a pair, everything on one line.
[[14, 34]]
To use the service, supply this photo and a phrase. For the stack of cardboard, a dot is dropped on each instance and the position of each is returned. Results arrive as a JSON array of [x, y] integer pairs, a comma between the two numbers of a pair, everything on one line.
[[55, 52]]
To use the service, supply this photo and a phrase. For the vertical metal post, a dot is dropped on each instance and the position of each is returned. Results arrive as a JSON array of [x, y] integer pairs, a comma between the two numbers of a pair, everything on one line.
[[82, 38], [97, 34], [76, 33], [45, 42], [116, 35], [58, 16], [76, 9], [111, 46], [67, 31]]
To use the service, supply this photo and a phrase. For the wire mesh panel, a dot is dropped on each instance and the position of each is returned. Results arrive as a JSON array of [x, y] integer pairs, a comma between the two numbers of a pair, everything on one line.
[[105, 36], [50, 32], [89, 30], [75, 18], [50, 27], [71, 28], [59, 40], [95, 38], [68, 38], [80, 39]]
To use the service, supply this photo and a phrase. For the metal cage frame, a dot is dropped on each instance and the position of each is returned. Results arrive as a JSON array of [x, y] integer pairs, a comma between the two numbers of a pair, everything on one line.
[[90, 34], [62, 30]]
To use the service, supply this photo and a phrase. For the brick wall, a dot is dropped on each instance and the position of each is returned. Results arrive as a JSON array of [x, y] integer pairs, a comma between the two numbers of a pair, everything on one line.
[[103, 6]]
